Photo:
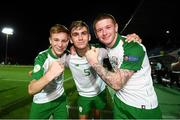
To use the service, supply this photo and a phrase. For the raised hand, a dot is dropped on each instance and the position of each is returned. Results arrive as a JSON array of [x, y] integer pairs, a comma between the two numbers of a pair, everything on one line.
[[133, 37], [55, 69], [92, 55], [72, 50]]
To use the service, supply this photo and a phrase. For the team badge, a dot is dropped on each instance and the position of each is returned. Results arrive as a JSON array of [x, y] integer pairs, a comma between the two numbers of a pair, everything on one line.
[[114, 61], [36, 68], [80, 109]]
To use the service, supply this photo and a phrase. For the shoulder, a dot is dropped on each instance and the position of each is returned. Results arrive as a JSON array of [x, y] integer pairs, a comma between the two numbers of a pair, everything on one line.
[[42, 56], [134, 48], [103, 53], [102, 49]]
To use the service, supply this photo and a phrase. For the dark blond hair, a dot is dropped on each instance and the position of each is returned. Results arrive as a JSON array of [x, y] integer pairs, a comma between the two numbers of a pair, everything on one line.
[[57, 28]]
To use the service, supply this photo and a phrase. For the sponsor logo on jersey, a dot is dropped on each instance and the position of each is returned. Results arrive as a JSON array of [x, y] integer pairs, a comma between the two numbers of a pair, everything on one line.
[[131, 58]]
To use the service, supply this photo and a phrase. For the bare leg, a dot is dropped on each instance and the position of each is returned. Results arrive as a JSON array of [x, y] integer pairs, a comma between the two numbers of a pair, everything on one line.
[[96, 114]]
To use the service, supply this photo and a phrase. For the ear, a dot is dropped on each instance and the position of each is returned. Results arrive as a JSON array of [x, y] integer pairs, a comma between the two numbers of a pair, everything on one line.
[[116, 27], [50, 40], [71, 41], [95, 34], [89, 37]]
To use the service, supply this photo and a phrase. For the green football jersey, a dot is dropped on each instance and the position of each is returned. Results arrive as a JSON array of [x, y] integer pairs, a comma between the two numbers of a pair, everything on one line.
[[139, 90], [55, 88]]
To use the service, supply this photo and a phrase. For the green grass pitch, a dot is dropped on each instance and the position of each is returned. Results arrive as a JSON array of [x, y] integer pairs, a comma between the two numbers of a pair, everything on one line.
[[15, 101]]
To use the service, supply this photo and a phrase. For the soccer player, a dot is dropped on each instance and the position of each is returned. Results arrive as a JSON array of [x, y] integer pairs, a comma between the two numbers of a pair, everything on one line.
[[46, 87], [135, 95], [91, 89]]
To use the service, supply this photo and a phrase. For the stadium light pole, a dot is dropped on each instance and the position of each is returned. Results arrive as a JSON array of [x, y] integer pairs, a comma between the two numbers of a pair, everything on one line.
[[7, 31]]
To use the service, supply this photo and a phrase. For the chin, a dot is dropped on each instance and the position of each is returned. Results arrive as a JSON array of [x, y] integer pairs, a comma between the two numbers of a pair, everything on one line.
[[59, 53], [81, 47], [106, 43]]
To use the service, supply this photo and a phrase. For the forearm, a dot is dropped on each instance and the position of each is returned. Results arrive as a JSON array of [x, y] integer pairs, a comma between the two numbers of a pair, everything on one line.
[[36, 86], [116, 79]]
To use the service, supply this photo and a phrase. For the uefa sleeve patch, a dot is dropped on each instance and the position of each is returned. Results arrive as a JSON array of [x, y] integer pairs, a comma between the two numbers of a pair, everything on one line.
[[131, 58], [36, 68]]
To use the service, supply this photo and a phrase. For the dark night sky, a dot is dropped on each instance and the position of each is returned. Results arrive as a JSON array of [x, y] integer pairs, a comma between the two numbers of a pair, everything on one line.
[[31, 22]]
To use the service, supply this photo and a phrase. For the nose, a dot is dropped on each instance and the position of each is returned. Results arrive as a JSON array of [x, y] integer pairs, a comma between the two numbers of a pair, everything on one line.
[[104, 32], [60, 43], [80, 37]]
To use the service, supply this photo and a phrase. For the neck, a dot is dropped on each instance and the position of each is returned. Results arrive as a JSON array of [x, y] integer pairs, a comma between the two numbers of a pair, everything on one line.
[[113, 42], [82, 52]]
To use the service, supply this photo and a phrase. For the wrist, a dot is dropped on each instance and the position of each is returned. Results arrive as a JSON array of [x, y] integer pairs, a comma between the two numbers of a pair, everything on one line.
[[95, 64], [48, 77]]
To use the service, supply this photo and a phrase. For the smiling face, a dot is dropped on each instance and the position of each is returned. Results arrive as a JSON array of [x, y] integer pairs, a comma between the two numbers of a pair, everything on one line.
[[106, 32], [59, 39], [106, 29], [80, 37], [59, 43]]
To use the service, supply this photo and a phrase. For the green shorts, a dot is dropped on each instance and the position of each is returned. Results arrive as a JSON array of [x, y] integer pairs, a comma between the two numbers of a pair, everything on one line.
[[57, 108], [86, 104], [124, 111]]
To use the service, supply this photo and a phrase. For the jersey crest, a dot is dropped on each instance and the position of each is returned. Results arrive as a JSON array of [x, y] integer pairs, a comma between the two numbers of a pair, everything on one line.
[[36, 68], [114, 61]]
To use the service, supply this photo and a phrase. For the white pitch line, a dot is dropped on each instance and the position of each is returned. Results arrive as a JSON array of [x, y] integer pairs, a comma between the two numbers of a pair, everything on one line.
[[27, 80]]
